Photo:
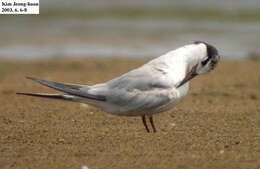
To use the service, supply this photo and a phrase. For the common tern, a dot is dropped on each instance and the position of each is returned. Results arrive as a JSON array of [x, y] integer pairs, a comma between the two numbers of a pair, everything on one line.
[[157, 86]]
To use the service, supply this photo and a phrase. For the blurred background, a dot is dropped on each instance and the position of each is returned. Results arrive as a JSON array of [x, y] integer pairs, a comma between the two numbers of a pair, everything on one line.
[[130, 28]]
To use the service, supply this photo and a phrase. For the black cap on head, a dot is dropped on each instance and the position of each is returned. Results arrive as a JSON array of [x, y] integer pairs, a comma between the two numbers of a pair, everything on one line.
[[211, 50], [212, 53]]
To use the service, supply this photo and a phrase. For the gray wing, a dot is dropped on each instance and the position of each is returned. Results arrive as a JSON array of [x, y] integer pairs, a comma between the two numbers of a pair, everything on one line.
[[143, 78], [142, 89], [72, 89]]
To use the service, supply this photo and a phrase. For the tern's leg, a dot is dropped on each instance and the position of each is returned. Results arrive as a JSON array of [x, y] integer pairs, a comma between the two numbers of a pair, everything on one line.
[[151, 121], [145, 125]]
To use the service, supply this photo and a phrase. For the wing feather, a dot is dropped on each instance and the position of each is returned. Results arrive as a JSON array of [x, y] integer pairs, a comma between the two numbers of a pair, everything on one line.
[[73, 89], [138, 91]]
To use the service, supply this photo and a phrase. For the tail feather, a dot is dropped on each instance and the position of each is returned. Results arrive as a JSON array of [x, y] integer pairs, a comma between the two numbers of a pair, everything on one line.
[[51, 96], [71, 89]]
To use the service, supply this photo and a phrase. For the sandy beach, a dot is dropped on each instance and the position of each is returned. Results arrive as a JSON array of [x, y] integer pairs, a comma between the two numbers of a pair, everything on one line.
[[216, 126]]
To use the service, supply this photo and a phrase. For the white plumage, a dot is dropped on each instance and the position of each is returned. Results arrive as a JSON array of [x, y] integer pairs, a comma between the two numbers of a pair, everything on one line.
[[155, 87]]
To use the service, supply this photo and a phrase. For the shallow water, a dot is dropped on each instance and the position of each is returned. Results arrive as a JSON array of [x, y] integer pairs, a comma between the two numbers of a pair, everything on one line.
[[223, 4], [110, 36]]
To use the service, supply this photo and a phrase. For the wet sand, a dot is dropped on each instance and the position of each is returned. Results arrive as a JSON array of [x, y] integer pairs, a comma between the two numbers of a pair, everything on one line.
[[217, 125]]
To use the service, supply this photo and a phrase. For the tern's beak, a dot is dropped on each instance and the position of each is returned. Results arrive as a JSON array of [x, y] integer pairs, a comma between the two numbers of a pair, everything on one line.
[[189, 76]]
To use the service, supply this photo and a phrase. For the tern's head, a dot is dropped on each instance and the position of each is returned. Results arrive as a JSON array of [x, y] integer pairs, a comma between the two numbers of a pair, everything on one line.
[[207, 60]]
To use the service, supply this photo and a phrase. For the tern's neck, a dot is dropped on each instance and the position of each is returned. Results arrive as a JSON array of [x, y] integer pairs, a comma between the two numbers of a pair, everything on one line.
[[180, 61], [188, 55]]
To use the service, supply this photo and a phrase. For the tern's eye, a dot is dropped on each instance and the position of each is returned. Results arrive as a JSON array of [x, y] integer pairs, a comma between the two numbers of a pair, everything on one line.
[[205, 62]]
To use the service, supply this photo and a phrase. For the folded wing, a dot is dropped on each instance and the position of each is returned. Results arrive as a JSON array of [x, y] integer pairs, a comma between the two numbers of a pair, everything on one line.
[[71, 89], [142, 89]]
